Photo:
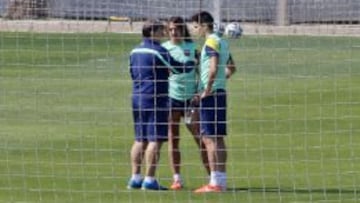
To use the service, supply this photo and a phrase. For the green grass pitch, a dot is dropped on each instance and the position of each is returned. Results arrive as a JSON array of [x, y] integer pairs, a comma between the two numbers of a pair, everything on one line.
[[66, 125]]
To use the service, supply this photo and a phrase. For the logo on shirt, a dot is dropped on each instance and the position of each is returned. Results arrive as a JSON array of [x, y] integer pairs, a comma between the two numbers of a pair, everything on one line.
[[187, 52]]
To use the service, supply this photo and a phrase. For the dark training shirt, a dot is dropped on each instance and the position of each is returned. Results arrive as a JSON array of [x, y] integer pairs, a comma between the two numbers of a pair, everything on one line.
[[150, 66]]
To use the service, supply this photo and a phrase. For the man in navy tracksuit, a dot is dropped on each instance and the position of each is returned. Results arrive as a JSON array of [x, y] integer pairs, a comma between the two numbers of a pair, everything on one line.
[[150, 66]]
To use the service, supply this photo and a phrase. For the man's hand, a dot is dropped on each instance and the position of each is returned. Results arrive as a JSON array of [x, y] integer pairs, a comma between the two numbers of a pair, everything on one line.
[[195, 101], [205, 93]]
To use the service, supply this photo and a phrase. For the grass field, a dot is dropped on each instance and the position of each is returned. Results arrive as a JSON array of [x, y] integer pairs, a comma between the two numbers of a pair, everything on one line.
[[66, 131]]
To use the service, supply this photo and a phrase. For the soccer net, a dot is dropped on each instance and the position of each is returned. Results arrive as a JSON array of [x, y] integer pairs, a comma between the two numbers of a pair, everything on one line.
[[293, 118]]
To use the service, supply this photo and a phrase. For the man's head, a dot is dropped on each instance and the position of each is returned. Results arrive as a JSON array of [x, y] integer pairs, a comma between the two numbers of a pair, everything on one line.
[[178, 30], [202, 23], [153, 29]]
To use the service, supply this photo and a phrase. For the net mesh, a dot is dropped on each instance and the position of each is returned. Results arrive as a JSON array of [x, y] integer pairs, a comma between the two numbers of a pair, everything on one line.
[[65, 102]]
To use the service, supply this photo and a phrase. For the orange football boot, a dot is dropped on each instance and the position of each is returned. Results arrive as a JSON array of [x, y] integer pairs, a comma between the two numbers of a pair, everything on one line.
[[176, 185], [208, 188]]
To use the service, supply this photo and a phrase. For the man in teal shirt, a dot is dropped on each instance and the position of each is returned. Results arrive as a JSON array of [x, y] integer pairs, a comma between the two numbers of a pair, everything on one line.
[[212, 87], [182, 89]]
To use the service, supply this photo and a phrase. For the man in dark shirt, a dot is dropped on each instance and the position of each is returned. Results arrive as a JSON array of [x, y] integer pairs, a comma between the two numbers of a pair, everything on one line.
[[150, 66]]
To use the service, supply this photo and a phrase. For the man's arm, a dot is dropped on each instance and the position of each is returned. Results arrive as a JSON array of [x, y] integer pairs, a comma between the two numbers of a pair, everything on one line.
[[230, 67], [214, 60], [212, 50], [174, 65], [178, 67]]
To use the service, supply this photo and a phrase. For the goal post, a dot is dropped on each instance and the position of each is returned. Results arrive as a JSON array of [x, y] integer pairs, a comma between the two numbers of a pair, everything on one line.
[[282, 12], [217, 11]]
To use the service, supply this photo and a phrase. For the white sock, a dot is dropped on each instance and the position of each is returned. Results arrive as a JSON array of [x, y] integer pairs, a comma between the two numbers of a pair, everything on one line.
[[136, 177], [214, 178], [222, 179], [149, 179], [177, 177]]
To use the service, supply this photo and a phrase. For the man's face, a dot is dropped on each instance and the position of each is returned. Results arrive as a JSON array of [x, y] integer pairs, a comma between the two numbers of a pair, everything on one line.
[[174, 31], [198, 29]]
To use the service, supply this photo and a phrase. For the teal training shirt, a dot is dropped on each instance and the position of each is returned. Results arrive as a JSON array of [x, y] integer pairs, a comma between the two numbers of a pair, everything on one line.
[[182, 86], [220, 46]]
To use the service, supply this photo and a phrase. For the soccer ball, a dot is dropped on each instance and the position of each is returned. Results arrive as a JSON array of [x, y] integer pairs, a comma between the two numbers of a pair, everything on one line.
[[233, 30]]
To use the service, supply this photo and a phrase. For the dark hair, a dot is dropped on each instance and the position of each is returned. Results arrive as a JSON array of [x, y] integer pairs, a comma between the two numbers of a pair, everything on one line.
[[204, 17], [181, 24], [151, 26]]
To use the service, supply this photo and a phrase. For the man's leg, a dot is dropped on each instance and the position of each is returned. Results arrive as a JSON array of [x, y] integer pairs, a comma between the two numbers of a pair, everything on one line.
[[194, 128], [211, 152], [136, 156], [173, 148], [157, 130], [220, 165], [213, 128], [216, 152], [221, 154], [152, 156], [217, 155]]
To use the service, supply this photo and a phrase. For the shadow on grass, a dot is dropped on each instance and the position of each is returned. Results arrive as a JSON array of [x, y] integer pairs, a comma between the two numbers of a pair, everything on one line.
[[300, 190]]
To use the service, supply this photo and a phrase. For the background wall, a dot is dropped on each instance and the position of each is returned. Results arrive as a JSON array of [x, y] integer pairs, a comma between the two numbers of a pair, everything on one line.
[[299, 11]]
